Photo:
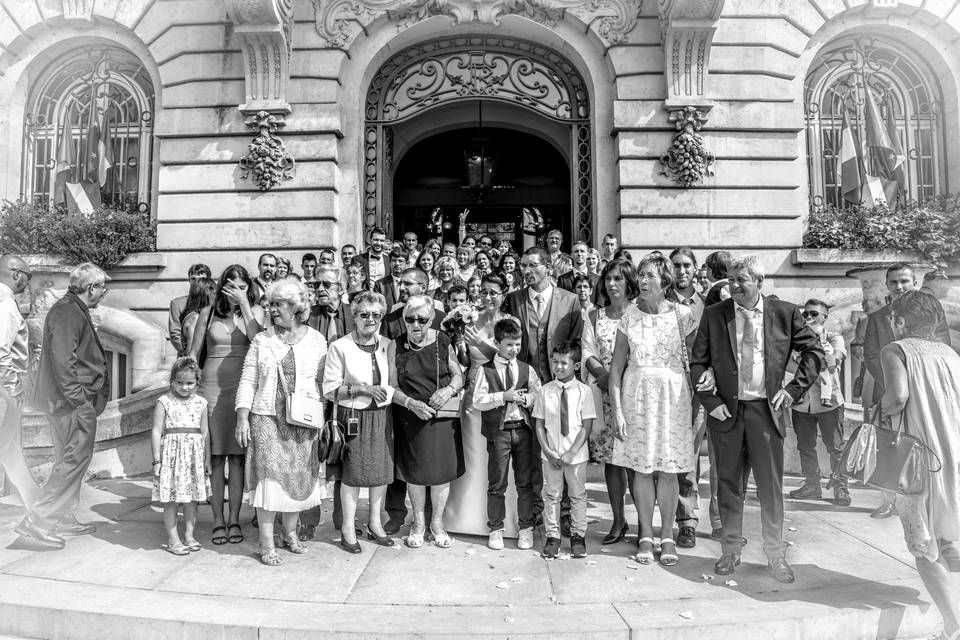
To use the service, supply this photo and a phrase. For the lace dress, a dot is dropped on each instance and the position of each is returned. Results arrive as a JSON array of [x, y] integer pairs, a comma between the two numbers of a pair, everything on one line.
[[182, 477], [655, 395], [599, 339]]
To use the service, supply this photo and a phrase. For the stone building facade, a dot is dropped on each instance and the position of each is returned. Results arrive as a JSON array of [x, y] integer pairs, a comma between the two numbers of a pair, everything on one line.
[[245, 126]]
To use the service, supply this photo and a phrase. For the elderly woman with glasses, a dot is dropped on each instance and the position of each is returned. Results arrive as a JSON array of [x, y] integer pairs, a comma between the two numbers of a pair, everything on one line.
[[355, 378], [425, 375], [283, 471]]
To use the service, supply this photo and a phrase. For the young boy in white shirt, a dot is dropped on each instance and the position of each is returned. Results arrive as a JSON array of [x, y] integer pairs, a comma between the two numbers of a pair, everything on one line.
[[564, 412]]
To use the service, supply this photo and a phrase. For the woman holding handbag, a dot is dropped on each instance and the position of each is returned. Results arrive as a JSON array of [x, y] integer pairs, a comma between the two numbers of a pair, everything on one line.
[[426, 376], [282, 367], [921, 379]]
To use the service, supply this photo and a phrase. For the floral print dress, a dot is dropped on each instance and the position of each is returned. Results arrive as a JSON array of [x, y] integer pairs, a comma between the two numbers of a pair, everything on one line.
[[182, 476], [599, 338]]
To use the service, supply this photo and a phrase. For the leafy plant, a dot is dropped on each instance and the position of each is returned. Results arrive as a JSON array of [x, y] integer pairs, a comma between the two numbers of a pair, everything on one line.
[[104, 236], [931, 228]]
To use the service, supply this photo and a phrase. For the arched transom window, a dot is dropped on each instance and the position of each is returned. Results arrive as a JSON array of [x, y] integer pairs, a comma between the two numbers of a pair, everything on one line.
[[90, 122], [844, 79]]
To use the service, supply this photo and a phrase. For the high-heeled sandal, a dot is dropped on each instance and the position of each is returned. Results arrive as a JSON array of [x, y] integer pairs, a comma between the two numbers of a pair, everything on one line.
[[668, 558], [292, 542], [414, 539], [614, 538], [383, 541], [270, 557], [644, 556], [442, 539]]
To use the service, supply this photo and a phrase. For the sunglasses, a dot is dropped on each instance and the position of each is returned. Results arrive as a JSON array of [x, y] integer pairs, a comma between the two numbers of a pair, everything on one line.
[[327, 284], [812, 314], [370, 315], [25, 274], [416, 319]]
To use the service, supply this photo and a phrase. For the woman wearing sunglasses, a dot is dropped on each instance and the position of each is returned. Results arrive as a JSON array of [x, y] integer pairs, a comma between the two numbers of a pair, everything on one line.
[[355, 379], [429, 451]]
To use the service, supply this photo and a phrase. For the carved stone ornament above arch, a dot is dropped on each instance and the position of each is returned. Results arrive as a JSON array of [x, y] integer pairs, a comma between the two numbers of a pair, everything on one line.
[[262, 29], [77, 9], [340, 21]]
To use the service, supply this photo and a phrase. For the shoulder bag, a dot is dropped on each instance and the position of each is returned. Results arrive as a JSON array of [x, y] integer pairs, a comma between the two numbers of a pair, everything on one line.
[[887, 458], [684, 357], [302, 410]]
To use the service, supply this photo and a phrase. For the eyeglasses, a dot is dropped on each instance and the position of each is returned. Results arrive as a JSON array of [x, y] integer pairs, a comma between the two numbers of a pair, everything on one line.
[[416, 319], [370, 315], [812, 314], [25, 274], [489, 293], [99, 285]]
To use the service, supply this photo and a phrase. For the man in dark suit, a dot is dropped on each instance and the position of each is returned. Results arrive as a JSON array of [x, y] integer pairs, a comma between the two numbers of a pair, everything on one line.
[[548, 316], [73, 390], [330, 316], [900, 279], [374, 260], [748, 341], [389, 285], [717, 264]]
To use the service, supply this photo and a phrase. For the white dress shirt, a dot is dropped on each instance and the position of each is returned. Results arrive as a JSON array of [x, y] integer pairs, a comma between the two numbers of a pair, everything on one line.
[[376, 267], [546, 295], [484, 400], [580, 407], [756, 389]]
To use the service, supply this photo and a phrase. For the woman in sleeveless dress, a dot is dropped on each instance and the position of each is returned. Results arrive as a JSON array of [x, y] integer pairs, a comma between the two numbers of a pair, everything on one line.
[[428, 447], [921, 380], [225, 330], [467, 505]]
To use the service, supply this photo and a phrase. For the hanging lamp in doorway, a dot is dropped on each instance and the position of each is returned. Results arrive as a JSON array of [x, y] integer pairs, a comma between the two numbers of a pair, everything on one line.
[[481, 161]]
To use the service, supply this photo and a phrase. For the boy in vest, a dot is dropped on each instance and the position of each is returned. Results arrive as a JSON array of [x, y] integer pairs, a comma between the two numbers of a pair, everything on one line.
[[505, 392], [563, 413]]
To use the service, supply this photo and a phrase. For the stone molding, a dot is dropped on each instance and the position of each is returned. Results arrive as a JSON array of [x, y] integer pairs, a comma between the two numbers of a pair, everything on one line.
[[339, 22], [263, 30], [687, 161], [77, 9]]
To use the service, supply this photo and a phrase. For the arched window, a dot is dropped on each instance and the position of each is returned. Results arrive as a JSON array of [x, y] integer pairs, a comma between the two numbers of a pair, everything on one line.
[[843, 78], [90, 120]]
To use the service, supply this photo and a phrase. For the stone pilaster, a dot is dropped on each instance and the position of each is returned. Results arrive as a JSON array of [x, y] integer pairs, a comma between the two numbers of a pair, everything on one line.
[[262, 29]]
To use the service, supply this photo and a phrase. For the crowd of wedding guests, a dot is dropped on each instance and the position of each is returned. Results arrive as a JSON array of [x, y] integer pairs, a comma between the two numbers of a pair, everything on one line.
[[449, 366]]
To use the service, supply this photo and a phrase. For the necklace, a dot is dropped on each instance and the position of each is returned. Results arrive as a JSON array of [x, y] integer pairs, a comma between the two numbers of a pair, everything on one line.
[[290, 341]]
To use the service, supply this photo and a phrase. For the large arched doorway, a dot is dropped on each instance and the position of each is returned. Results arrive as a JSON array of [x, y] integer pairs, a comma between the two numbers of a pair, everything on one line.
[[436, 97]]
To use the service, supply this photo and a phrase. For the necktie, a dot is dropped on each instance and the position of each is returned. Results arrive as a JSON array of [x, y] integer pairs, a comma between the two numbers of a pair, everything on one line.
[[564, 414], [539, 305], [747, 348], [509, 378]]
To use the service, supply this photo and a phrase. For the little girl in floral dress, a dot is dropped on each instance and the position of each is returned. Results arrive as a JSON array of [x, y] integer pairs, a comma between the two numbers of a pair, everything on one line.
[[181, 454]]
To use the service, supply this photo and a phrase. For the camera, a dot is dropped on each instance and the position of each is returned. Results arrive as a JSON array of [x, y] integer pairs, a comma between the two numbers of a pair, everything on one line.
[[353, 427]]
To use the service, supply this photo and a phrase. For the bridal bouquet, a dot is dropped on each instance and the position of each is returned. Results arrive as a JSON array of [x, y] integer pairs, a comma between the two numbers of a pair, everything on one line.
[[459, 318]]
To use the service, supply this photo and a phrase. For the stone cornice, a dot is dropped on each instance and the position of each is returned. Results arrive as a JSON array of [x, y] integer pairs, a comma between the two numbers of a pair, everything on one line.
[[340, 21], [262, 29]]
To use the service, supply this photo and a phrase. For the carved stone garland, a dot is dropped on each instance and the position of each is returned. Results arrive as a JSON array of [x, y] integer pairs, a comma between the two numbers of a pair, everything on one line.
[[262, 29], [340, 21], [686, 32]]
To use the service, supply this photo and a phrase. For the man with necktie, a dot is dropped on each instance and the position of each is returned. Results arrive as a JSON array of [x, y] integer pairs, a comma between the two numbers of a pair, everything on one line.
[[747, 341]]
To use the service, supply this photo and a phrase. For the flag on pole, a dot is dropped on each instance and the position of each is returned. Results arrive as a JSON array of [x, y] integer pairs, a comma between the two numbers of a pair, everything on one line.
[[848, 165], [82, 197], [881, 146], [899, 170], [91, 160], [873, 192], [104, 150], [63, 172]]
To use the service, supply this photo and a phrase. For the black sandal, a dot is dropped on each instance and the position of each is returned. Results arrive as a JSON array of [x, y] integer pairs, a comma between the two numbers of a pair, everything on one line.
[[235, 538], [219, 539]]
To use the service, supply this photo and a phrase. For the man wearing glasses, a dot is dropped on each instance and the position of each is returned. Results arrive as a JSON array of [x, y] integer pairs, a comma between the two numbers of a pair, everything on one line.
[[72, 389], [329, 315], [14, 358], [821, 408]]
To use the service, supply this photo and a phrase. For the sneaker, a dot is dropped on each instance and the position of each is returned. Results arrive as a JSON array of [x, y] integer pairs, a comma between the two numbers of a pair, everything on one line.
[[552, 548], [495, 540], [841, 496], [525, 541], [808, 490], [578, 547]]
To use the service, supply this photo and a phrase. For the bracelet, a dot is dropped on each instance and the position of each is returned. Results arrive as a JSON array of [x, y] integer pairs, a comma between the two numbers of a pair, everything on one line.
[[156, 462], [406, 402]]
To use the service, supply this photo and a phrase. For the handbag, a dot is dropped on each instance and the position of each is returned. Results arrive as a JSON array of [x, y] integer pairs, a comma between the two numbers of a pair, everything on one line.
[[302, 410], [887, 458], [332, 444], [858, 383], [451, 408]]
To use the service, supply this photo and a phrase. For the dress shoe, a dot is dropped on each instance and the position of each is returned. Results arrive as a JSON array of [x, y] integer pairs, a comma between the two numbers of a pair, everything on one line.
[[351, 547], [70, 526], [687, 537], [726, 564], [40, 536], [781, 570], [565, 526], [841, 496], [885, 510], [809, 491], [393, 524]]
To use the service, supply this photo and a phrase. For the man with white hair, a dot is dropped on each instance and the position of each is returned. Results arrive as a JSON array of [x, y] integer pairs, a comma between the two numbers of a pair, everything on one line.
[[747, 341], [329, 315], [73, 390]]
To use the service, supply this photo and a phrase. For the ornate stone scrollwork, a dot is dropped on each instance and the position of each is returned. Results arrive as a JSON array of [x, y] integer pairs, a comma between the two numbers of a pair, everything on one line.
[[687, 161], [340, 21], [267, 158], [262, 28], [77, 9]]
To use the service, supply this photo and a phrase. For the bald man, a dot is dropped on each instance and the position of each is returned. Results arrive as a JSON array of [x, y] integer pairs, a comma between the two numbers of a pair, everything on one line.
[[14, 358]]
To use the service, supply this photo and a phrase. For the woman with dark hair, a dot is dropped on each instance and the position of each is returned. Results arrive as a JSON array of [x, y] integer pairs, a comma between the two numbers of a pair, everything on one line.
[[484, 263], [583, 288], [425, 262], [921, 381], [615, 293], [202, 294], [652, 402], [283, 268], [229, 325]]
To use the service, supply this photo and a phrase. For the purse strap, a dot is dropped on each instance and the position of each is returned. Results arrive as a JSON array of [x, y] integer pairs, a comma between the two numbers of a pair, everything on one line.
[[929, 453], [683, 346]]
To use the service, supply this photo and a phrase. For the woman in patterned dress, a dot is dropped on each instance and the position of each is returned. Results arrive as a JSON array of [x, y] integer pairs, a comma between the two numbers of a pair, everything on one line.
[[651, 400], [283, 470], [616, 290]]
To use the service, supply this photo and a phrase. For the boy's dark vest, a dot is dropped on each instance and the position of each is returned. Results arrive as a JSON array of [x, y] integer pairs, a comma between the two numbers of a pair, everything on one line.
[[492, 420]]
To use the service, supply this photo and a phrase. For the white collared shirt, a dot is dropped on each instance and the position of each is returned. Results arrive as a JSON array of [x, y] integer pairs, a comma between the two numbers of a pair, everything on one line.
[[376, 267], [484, 400], [757, 388], [546, 294], [580, 407], [694, 303]]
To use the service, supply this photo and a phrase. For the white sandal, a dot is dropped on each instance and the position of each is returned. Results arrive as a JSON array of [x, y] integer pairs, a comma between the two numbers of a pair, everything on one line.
[[644, 557], [414, 540]]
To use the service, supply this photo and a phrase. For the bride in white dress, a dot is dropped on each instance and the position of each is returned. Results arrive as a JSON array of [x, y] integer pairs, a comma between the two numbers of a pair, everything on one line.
[[466, 511]]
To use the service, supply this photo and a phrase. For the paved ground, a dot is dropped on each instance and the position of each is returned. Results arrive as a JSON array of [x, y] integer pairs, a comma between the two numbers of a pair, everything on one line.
[[855, 580]]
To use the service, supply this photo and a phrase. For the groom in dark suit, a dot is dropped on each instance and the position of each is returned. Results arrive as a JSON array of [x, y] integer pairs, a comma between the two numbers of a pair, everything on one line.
[[73, 390], [747, 340]]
